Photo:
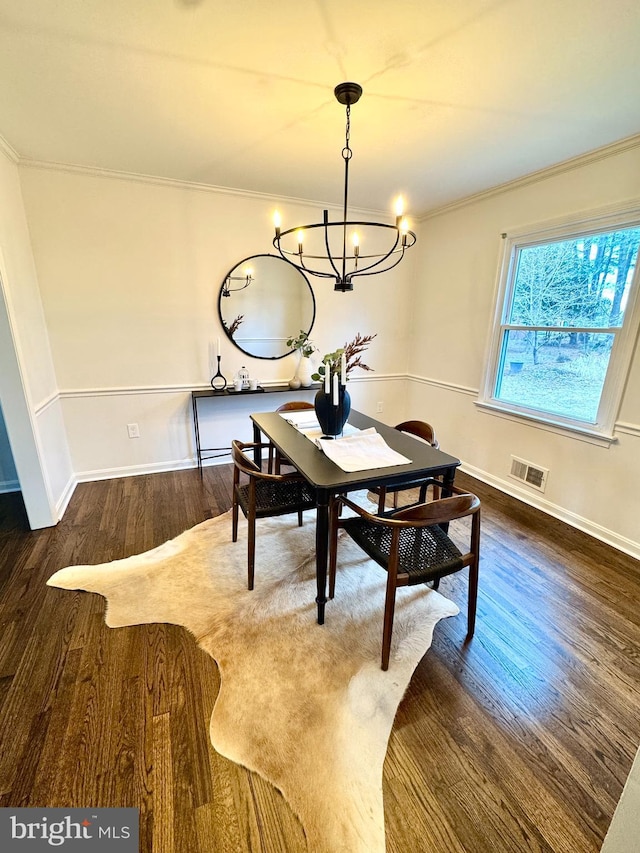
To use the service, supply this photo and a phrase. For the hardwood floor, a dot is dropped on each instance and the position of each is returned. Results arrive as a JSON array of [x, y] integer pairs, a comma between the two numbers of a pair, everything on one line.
[[518, 741]]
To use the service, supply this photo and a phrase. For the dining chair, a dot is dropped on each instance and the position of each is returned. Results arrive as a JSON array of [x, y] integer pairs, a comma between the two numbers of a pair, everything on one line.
[[263, 495], [412, 547], [424, 431], [275, 457]]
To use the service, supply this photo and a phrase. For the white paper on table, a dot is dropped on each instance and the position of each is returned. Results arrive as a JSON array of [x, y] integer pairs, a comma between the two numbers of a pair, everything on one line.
[[361, 452], [306, 422], [301, 419]]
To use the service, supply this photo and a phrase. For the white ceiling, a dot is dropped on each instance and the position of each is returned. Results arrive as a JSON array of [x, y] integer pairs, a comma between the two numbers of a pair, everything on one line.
[[459, 95]]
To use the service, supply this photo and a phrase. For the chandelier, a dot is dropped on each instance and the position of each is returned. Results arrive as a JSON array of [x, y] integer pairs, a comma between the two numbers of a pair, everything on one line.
[[246, 279], [329, 240]]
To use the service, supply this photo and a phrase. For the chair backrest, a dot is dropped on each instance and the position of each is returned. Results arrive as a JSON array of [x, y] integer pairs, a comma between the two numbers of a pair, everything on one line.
[[244, 463], [437, 512], [241, 460], [422, 430], [294, 406]]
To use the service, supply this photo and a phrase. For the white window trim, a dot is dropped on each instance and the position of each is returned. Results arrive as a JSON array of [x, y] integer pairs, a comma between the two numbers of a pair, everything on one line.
[[602, 432]]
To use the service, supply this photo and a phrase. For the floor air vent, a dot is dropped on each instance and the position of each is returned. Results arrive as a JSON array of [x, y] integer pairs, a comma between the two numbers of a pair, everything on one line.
[[532, 475]]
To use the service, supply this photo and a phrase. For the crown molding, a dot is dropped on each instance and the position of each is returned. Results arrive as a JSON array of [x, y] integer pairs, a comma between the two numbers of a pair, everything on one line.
[[603, 153], [176, 183], [615, 148], [9, 151]]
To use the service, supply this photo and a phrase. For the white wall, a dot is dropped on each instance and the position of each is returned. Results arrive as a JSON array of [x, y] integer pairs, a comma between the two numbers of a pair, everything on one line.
[[129, 275], [591, 486], [28, 390]]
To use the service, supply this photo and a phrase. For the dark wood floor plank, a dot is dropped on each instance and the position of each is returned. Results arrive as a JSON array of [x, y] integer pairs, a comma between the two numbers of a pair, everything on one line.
[[518, 741]]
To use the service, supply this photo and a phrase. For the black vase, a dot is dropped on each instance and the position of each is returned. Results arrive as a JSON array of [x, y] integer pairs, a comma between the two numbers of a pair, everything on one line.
[[332, 418]]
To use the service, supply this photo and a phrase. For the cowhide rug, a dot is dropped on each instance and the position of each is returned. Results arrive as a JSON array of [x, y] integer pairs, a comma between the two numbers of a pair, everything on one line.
[[305, 706]]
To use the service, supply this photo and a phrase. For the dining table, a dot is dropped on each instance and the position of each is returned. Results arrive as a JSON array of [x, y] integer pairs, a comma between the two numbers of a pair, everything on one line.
[[328, 479]]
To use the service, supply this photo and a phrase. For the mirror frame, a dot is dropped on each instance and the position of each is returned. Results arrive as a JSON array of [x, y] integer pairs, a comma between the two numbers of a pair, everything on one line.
[[220, 297]]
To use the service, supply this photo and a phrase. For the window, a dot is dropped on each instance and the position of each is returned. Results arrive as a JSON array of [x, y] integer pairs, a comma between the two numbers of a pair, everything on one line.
[[565, 323]]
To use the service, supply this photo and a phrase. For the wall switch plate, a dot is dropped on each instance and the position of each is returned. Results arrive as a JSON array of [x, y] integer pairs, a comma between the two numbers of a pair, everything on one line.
[[133, 430]]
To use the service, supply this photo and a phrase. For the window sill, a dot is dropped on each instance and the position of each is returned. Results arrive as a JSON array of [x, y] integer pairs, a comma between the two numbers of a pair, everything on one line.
[[592, 436]]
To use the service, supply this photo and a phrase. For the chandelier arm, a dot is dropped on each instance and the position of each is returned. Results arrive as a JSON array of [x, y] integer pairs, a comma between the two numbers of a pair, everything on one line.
[[226, 290], [283, 255], [369, 271]]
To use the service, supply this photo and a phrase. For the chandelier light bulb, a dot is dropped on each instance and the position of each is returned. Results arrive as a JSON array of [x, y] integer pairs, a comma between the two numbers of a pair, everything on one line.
[[300, 239], [277, 222]]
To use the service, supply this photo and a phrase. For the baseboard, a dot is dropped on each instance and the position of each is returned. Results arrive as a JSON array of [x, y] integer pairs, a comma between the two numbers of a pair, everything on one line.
[[9, 486], [150, 468], [63, 502], [603, 534], [621, 543]]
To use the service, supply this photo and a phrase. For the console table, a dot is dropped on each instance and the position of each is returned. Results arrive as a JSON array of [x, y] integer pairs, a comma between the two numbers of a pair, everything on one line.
[[220, 397]]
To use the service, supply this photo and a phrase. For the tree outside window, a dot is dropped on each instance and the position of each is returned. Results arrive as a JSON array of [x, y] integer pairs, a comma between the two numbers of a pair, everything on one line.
[[564, 306]]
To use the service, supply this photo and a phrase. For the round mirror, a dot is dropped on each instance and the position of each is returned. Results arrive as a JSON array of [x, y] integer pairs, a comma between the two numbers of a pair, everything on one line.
[[263, 302]]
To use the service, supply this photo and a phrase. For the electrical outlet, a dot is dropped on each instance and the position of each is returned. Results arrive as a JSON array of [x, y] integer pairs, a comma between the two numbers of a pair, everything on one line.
[[133, 430], [379, 407]]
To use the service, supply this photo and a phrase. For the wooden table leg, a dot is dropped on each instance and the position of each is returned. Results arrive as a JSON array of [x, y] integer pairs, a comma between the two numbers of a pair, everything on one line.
[[322, 550], [447, 482], [257, 451]]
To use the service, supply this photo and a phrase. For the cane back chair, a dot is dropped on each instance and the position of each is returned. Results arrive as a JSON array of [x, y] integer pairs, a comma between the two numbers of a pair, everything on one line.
[[263, 495], [412, 546]]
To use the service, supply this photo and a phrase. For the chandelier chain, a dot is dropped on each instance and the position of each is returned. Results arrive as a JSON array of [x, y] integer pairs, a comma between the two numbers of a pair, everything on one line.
[[347, 153]]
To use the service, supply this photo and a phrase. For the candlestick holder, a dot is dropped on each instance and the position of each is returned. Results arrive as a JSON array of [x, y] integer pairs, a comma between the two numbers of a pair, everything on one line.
[[218, 382]]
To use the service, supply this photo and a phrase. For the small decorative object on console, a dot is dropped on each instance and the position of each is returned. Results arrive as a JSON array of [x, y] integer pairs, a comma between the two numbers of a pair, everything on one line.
[[242, 378], [218, 382], [303, 374]]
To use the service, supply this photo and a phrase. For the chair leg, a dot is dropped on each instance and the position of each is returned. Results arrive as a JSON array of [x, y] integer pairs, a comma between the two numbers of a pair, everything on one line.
[[299, 518], [473, 600], [389, 608], [234, 519], [382, 500], [251, 546]]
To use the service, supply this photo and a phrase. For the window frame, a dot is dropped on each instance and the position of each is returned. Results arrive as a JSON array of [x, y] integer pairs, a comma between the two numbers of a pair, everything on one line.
[[586, 224]]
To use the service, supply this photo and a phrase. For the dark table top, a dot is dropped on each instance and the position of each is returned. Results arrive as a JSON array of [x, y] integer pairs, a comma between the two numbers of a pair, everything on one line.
[[322, 473]]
